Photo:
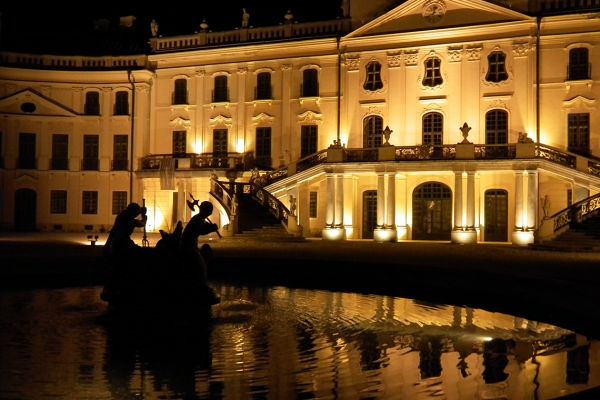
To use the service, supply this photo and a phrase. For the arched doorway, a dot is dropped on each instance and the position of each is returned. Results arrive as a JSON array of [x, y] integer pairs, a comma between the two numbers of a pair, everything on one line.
[[369, 222], [432, 212], [25, 210], [496, 216]]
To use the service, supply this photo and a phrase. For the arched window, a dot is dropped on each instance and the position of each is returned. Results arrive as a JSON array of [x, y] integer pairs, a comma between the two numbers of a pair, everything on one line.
[[180, 95], [263, 86], [373, 76], [496, 127], [433, 127], [220, 92], [310, 83], [432, 212], [578, 64], [372, 131]]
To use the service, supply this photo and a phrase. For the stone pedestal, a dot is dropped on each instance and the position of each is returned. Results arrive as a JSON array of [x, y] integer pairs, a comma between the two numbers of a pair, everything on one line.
[[384, 235], [465, 151]]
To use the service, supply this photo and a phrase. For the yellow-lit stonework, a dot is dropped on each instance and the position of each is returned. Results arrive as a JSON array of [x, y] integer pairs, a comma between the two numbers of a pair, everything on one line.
[[461, 120]]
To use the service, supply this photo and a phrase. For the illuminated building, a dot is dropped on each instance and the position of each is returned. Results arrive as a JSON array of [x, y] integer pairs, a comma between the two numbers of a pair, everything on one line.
[[487, 138]]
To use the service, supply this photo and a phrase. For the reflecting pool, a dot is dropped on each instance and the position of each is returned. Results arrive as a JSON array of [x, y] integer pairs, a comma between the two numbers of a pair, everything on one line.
[[282, 343]]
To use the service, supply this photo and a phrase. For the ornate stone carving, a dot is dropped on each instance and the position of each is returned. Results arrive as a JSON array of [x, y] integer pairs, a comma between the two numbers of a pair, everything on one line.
[[520, 49], [411, 57], [310, 117], [455, 54], [180, 123], [434, 11], [473, 53], [394, 59], [221, 120], [263, 118], [352, 62]]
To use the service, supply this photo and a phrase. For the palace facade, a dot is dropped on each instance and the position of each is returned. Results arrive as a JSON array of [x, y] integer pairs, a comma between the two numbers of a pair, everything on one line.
[[459, 120]]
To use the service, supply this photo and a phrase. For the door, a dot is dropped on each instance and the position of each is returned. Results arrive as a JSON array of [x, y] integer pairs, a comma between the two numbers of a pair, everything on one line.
[[496, 216], [432, 212], [369, 213], [25, 210]]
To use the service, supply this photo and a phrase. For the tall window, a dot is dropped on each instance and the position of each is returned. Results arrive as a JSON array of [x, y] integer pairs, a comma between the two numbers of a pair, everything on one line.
[[120, 152], [579, 133], [578, 64], [27, 151], [496, 67], [433, 127], [433, 72], [308, 140], [372, 132], [310, 82], [312, 209], [179, 143], [89, 202], [496, 127], [90, 152], [263, 86], [373, 76], [122, 103], [220, 147], [58, 202], [221, 92], [92, 103], [180, 95], [119, 201], [60, 152], [263, 147]]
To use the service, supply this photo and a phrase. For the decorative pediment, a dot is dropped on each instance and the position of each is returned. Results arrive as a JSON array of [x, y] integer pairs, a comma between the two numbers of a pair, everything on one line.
[[579, 102], [262, 118], [26, 180], [181, 123], [220, 120], [422, 15], [31, 103], [310, 117]]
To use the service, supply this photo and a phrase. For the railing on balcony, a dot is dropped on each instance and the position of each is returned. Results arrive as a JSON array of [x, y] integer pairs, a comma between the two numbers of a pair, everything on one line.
[[59, 164], [195, 161], [90, 164], [120, 165]]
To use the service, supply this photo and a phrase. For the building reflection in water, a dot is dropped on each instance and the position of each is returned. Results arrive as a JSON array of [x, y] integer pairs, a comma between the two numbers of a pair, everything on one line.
[[285, 343]]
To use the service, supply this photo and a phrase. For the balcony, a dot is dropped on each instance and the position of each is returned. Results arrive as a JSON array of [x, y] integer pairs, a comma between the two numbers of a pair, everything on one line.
[[90, 164], [119, 165], [59, 164]]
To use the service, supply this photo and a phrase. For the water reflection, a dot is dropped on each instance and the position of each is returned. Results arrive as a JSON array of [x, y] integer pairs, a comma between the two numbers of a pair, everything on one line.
[[280, 343]]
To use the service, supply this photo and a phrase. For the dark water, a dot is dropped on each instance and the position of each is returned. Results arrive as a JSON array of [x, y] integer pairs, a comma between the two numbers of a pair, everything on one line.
[[280, 343]]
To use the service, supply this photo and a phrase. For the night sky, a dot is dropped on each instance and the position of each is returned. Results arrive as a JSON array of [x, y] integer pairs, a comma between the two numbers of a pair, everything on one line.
[[64, 28]]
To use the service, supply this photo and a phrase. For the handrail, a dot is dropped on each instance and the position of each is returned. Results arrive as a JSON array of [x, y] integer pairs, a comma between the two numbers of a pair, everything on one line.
[[578, 212]]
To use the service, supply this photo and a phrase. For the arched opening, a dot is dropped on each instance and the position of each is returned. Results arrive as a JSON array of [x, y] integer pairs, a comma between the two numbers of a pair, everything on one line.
[[432, 212], [369, 222]]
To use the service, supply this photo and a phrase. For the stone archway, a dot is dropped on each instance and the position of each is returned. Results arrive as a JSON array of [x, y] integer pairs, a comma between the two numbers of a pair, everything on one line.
[[432, 212]]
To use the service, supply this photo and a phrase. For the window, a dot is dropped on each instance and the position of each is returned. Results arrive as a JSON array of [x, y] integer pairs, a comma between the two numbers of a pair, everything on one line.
[[433, 73], [308, 140], [220, 93], [90, 152], [119, 201], [120, 150], [433, 126], [496, 127], [579, 133], [263, 147], [60, 152], [496, 67], [373, 76], [92, 103], [122, 103], [27, 151], [578, 64], [263, 86], [310, 83], [220, 147], [180, 95], [312, 205], [179, 143], [58, 202], [372, 132], [89, 202]]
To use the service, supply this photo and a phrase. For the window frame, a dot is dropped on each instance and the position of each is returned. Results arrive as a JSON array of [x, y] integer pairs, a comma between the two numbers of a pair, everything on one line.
[[372, 131], [121, 102], [432, 129], [60, 152], [263, 86], [432, 72], [373, 81], [92, 103], [58, 201], [89, 202], [496, 72], [221, 89], [579, 67], [310, 83], [180, 91]]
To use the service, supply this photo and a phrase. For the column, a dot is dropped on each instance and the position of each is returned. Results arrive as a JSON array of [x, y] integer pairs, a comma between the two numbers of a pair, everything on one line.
[[338, 212], [199, 101], [304, 208], [532, 195], [458, 201], [390, 220], [380, 199], [401, 201], [522, 235], [329, 214], [240, 137], [349, 210], [471, 200]]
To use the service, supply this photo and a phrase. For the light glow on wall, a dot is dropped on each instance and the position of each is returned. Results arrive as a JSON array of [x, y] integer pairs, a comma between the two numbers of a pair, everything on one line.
[[198, 147], [239, 147], [155, 219]]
